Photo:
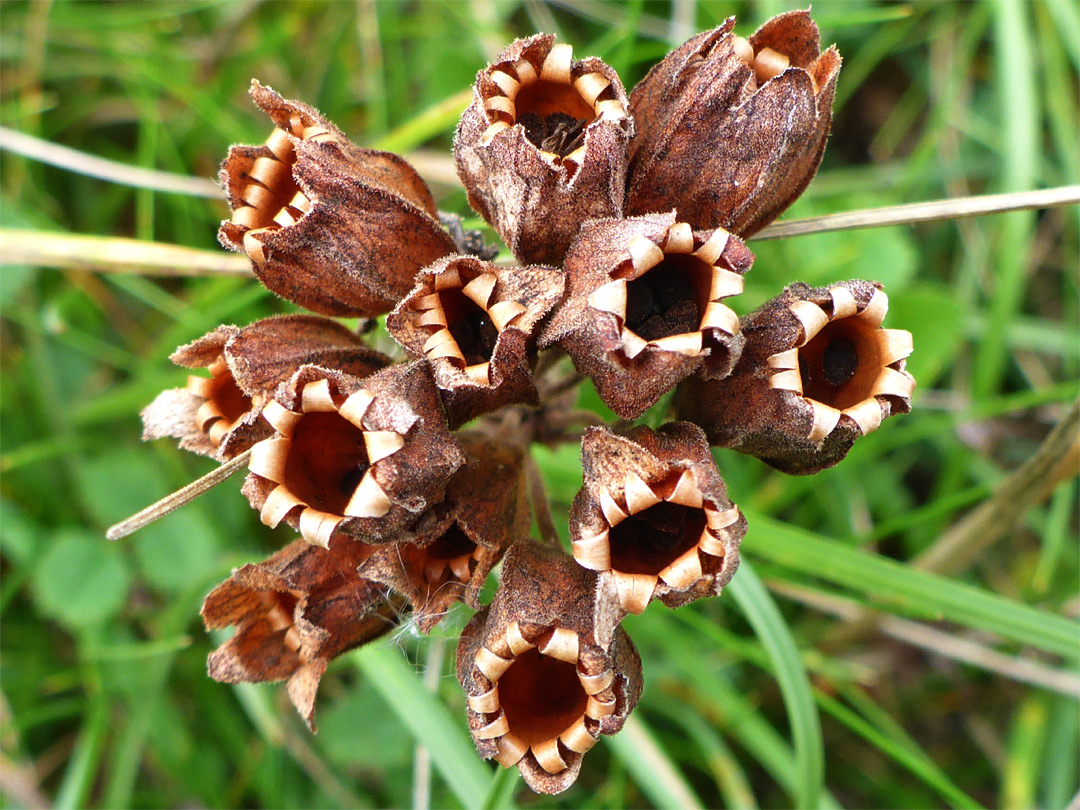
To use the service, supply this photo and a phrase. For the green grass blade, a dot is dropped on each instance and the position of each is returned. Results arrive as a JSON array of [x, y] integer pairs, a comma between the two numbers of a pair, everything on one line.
[[651, 768], [909, 591], [82, 768], [769, 625], [429, 721]]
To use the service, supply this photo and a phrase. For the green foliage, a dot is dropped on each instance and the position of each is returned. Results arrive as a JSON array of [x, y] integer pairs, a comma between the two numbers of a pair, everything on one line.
[[762, 698]]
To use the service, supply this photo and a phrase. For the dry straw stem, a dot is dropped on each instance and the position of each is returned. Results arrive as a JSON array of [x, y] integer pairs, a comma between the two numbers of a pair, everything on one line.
[[939, 642], [173, 501]]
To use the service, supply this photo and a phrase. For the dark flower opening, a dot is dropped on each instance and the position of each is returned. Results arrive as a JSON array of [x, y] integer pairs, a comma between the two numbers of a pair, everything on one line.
[[327, 460], [670, 298], [840, 364], [228, 398], [450, 552], [541, 696], [557, 133], [649, 541], [470, 326]]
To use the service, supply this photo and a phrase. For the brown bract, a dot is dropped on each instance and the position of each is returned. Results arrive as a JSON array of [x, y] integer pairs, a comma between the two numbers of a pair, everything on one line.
[[643, 308], [546, 670], [475, 322], [730, 131], [543, 146], [364, 457], [218, 416], [817, 373], [654, 516], [454, 546], [294, 613], [337, 229]]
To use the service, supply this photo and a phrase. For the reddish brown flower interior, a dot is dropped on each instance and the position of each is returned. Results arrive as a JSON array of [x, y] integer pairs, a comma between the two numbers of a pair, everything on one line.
[[471, 327], [226, 394], [326, 460], [453, 544], [840, 363], [668, 299], [649, 541], [541, 696]]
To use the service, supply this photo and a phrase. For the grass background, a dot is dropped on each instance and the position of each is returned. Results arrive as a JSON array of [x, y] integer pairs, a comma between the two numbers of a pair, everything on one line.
[[763, 697]]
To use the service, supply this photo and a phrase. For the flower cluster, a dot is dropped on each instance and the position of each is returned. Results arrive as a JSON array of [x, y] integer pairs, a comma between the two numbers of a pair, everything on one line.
[[626, 215]]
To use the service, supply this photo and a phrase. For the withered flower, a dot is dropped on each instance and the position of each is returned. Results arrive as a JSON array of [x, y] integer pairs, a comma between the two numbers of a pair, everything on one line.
[[295, 612], [543, 146], [643, 308], [729, 131], [218, 416], [475, 322], [654, 516], [337, 229], [455, 545], [546, 669], [363, 457], [816, 374]]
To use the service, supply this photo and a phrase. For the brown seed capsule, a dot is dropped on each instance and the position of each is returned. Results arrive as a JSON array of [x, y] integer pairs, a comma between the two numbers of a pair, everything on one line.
[[453, 547], [644, 310], [219, 416], [730, 131], [654, 516], [294, 613], [543, 146], [546, 670], [817, 373], [337, 229], [475, 322], [363, 457]]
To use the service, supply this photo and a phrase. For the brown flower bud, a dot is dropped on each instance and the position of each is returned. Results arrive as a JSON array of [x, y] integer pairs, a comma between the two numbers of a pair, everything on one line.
[[332, 227], [359, 456], [455, 545], [475, 322], [219, 416], [816, 374], [644, 307], [654, 516], [546, 670], [730, 131], [543, 146], [294, 613]]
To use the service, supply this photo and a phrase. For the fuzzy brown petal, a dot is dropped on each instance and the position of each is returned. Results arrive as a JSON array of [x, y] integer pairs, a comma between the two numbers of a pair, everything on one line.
[[332, 227], [644, 307], [476, 322], [364, 457], [730, 131], [654, 517], [454, 547], [816, 374], [543, 146], [546, 670]]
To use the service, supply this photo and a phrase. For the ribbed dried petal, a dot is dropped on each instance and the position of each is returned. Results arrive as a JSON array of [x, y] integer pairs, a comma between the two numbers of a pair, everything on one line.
[[294, 613], [455, 545], [654, 517], [643, 309], [332, 227], [546, 670], [476, 323], [730, 131], [543, 146], [364, 457], [816, 374], [219, 416]]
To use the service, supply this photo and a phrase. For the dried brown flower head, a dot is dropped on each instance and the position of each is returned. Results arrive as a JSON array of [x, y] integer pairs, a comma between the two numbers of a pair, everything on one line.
[[654, 516], [294, 613], [729, 131], [475, 322], [816, 374], [546, 669], [337, 229], [364, 457], [543, 146], [644, 310]]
